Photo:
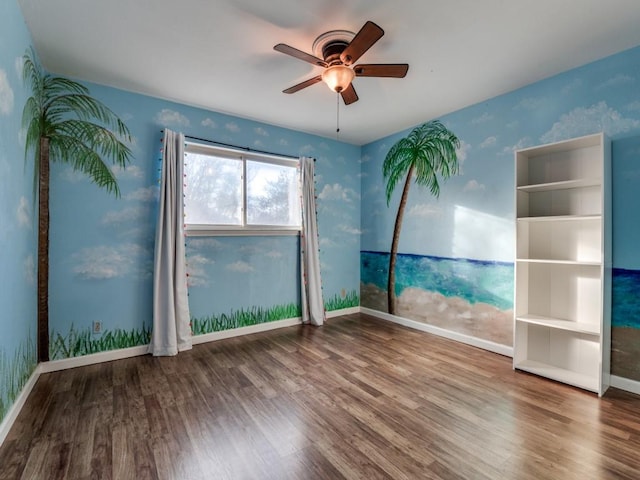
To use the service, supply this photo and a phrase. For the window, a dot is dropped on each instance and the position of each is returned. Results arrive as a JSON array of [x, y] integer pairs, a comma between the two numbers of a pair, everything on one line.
[[236, 193]]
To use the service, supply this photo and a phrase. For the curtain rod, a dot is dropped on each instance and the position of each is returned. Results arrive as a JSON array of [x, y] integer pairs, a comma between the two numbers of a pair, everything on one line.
[[230, 145]]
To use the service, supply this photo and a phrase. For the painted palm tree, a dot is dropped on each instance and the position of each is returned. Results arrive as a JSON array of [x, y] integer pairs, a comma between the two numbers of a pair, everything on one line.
[[428, 152], [63, 123]]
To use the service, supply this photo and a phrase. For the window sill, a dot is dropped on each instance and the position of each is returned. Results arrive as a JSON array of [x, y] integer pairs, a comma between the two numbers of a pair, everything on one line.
[[208, 231]]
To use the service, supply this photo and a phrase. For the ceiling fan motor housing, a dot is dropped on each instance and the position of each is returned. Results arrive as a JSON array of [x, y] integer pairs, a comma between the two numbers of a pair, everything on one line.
[[331, 51]]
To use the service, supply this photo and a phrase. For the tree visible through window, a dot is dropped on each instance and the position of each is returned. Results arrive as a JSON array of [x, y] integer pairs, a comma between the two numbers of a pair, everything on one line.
[[233, 191]]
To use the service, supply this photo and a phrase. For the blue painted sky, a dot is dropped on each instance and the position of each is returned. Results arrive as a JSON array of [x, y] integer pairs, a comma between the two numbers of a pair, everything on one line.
[[102, 247], [17, 227], [474, 216]]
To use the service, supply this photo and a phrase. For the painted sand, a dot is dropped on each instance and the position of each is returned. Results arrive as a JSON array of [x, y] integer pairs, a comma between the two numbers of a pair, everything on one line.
[[455, 314]]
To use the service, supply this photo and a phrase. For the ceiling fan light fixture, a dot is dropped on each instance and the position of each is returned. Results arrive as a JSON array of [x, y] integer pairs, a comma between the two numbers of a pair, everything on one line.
[[338, 77]]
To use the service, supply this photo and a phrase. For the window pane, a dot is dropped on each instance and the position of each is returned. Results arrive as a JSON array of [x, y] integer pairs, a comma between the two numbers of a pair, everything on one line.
[[272, 195], [213, 192]]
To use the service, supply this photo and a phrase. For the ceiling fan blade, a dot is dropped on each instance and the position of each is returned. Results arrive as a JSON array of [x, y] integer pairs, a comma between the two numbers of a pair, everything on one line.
[[299, 54], [396, 70], [349, 95], [305, 84], [369, 34]]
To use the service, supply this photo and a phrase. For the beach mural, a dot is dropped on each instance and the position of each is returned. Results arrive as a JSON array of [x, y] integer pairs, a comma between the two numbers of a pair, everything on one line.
[[471, 297], [456, 251], [463, 295], [625, 295]]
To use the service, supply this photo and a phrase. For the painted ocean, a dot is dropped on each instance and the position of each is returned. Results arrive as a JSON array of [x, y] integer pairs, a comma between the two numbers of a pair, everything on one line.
[[485, 282], [472, 280], [625, 298]]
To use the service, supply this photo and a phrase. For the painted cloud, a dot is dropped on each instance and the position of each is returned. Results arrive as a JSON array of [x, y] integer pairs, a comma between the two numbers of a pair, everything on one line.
[[169, 117], [148, 194], [240, 267], [197, 275], [338, 192], [29, 266], [6, 94], [617, 81], [126, 215], [23, 213], [424, 210], [586, 120], [207, 122], [473, 186], [105, 262], [130, 171]]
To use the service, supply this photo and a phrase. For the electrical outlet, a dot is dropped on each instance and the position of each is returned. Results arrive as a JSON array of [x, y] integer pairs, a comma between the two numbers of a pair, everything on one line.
[[97, 327]]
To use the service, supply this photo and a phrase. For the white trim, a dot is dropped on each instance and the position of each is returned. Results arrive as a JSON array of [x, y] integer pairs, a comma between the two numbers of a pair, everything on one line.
[[91, 359], [197, 230], [626, 384], [441, 332], [237, 332], [343, 311], [14, 411]]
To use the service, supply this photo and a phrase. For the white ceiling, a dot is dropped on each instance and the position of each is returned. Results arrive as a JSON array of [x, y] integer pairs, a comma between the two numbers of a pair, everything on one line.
[[218, 54]]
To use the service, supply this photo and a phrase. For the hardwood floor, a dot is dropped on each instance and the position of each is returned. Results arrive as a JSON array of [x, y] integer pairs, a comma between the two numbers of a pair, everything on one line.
[[357, 398]]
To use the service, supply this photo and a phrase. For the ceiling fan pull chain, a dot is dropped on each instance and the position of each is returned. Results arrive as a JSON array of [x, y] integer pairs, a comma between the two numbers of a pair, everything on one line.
[[337, 116]]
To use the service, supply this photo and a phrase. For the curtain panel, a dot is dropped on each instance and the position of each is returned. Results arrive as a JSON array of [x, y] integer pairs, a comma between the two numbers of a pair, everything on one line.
[[171, 331], [311, 283]]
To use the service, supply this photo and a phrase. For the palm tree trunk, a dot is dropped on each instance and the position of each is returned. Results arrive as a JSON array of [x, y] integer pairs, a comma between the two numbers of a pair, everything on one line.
[[43, 251], [391, 283]]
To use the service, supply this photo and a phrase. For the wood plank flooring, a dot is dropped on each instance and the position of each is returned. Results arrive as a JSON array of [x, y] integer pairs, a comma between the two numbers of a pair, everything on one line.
[[357, 398]]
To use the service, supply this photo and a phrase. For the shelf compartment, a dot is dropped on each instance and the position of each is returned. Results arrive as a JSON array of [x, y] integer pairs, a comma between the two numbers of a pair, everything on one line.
[[576, 238], [558, 262], [564, 161], [564, 355], [580, 380], [559, 202], [559, 218], [563, 185], [562, 324], [557, 290]]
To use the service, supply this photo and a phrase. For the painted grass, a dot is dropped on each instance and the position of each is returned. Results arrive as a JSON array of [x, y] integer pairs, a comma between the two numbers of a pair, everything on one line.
[[82, 342], [243, 318], [14, 374], [338, 302]]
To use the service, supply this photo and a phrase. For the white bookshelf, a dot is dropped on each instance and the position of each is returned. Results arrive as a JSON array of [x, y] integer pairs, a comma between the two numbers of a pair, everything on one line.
[[563, 262]]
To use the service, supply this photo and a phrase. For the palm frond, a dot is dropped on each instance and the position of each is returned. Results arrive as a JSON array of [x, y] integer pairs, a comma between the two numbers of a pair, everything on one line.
[[397, 164], [57, 86], [431, 149], [98, 138], [83, 158], [84, 107], [32, 73], [82, 131]]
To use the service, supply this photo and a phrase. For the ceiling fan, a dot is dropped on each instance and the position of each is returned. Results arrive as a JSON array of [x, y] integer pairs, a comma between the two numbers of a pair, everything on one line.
[[340, 49]]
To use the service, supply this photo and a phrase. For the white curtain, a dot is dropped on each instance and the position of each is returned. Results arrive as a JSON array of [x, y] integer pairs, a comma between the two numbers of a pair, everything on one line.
[[171, 323], [311, 288]]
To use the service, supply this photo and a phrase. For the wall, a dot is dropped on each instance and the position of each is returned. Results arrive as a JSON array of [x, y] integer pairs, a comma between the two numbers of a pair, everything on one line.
[[457, 271], [102, 246], [17, 226]]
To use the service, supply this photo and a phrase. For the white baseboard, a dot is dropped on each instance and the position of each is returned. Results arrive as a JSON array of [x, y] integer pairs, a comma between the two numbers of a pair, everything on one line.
[[343, 311], [12, 414], [441, 332], [627, 384], [84, 360], [236, 332]]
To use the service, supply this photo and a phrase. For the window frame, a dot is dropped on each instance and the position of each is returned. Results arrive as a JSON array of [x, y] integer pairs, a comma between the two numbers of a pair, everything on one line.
[[195, 230]]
